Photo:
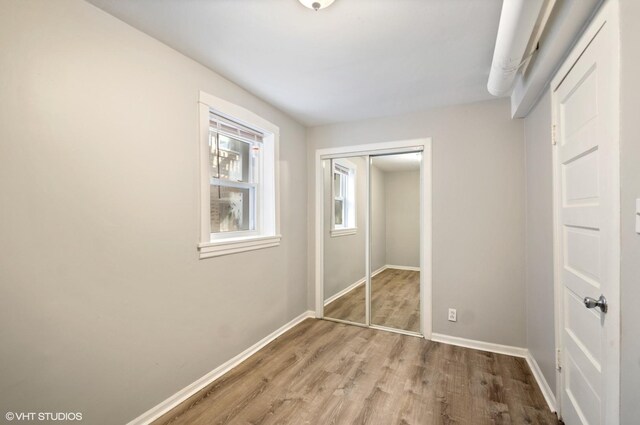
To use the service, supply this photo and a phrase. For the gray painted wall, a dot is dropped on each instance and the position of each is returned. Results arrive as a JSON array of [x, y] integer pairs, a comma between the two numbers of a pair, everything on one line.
[[344, 256], [478, 211], [100, 284], [539, 239], [630, 191], [402, 190]]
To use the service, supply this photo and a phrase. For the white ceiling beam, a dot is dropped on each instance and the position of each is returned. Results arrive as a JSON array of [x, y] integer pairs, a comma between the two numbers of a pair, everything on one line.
[[566, 23]]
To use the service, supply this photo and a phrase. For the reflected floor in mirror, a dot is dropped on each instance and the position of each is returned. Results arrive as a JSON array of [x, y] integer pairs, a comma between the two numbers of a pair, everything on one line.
[[395, 301]]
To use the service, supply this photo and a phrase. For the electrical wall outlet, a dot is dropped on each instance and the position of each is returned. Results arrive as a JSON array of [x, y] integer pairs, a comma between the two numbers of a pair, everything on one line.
[[453, 315]]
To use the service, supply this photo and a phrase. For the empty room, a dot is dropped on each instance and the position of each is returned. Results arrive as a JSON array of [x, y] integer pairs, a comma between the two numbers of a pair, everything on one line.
[[320, 212]]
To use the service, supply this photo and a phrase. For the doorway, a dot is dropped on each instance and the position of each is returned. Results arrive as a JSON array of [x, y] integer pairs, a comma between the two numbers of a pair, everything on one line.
[[373, 236]]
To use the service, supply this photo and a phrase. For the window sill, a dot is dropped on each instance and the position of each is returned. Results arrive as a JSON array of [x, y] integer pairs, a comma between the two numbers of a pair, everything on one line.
[[343, 232], [236, 245]]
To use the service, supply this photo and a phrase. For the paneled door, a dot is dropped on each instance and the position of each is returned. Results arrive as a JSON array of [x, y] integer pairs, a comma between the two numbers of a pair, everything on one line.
[[587, 229]]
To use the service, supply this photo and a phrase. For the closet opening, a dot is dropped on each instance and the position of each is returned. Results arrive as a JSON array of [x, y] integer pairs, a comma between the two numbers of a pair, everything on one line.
[[373, 236]]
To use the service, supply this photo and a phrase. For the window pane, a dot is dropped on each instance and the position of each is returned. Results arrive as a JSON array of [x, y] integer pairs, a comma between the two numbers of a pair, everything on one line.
[[343, 189], [213, 154], [339, 208], [231, 209], [337, 185], [230, 159]]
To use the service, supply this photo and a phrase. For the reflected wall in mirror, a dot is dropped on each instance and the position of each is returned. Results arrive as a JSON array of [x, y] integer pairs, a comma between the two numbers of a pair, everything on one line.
[[395, 241], [345, 238]]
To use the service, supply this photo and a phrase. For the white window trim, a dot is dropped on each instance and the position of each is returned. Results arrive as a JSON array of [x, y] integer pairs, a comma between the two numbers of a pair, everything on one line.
[[345, 231], [336, 233], [269, 218]]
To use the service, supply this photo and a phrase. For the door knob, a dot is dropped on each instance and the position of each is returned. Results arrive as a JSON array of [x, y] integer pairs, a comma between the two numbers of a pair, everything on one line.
[[601, 303]]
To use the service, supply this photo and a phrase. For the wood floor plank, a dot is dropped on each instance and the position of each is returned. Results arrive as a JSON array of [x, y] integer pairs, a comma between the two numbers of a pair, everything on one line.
[[323, 372]]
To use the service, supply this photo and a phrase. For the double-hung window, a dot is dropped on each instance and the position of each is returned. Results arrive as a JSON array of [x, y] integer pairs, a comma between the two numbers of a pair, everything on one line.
[[344, 198], [238, 167], [235, 157]]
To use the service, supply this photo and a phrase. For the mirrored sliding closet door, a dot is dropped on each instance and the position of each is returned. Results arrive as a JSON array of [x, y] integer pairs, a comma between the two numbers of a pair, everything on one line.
[[344, 211], [395, 241], [371, 206]]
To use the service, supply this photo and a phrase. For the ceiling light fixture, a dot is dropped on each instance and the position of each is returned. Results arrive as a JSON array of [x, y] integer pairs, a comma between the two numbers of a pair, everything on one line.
[[316, 4]]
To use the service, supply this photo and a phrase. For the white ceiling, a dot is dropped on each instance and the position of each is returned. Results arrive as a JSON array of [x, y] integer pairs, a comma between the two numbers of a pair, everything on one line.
[[356, 59], [397, 162]]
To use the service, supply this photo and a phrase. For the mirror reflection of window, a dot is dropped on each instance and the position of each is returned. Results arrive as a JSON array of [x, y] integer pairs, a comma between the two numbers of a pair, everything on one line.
[[344, 194], [339, 211]]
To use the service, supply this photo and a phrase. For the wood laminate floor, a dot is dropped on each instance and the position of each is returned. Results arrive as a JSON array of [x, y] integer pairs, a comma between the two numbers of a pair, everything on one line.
[[395, 301], [323, 372]]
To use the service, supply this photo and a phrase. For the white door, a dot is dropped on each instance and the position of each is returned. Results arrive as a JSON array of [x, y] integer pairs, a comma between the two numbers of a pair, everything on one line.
[[587, 227]]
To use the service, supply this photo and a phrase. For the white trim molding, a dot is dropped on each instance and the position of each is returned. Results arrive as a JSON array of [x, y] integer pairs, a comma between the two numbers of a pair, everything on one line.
[[343, 232], [378, 271], [155, 412], [392, 266], [345, 291], [509, 350], [232, 246], [549, 397], [353, 286]]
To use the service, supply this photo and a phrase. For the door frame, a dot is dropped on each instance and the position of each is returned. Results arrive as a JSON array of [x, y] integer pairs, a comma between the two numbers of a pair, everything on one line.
[[608, 14], [423, 144]]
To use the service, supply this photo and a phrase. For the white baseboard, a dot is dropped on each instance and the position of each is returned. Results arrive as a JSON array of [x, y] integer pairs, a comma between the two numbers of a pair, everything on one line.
[[391, 266], [480, 345], [380, 270], [182, 395], [345, 291], [549, 397], [508, 350], [352, 286]]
